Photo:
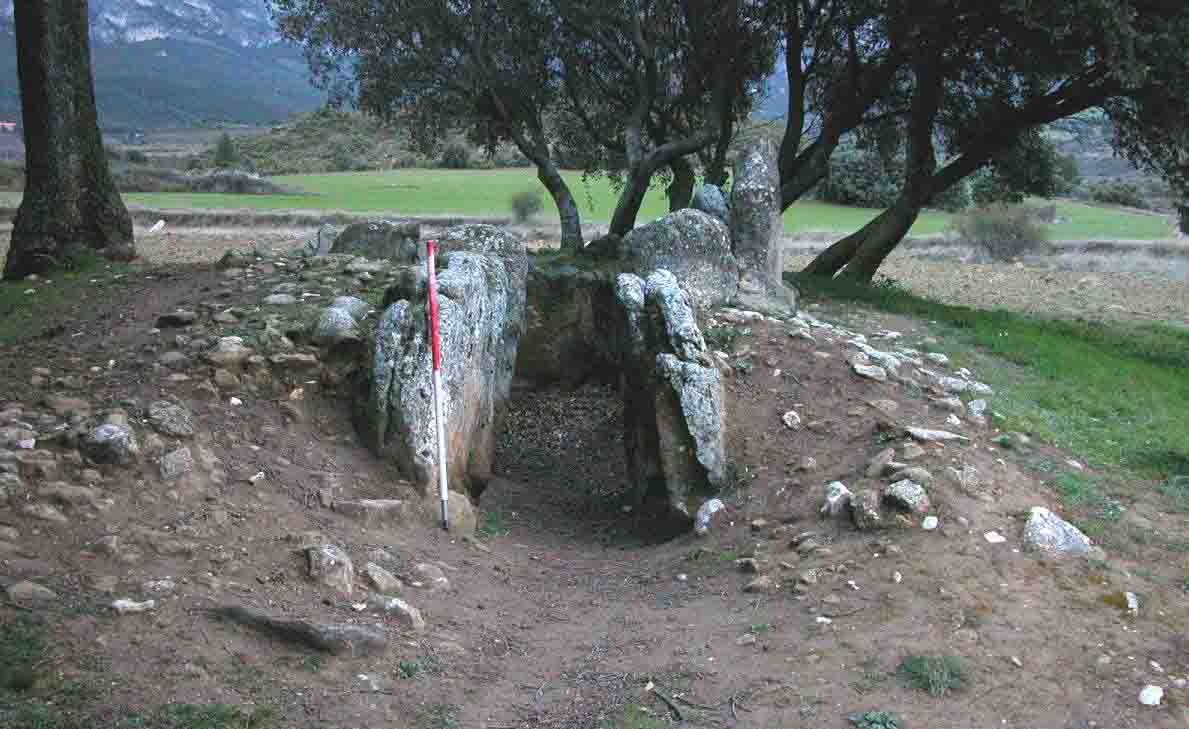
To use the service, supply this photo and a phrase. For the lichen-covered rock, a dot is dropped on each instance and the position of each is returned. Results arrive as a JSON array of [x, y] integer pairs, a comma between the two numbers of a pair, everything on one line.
[[331, 566], [176, 464], [837, 501], [229, 353], [756, 230], [481, 318], [1047, 532], [694, 247], [353, 305], [381, 240], [335, 326], [907, 495], [710, 200], [171, 419], [672, 392], [110, 443]]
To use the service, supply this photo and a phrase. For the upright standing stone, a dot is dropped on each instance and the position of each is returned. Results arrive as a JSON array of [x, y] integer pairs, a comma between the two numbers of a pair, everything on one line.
[[672, 394], [481, 298], [756, 230]]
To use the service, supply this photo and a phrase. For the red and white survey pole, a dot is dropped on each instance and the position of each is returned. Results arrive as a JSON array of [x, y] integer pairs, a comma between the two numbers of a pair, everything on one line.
[[439, 416]]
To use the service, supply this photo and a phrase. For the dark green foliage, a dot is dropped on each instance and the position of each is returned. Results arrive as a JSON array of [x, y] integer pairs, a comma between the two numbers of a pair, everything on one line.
[[860, 177], [863, 177], [455, 156], [1176, 491], [1068, 174], [136, 157], [226, 154], [526, 204], [1030, 167], [12, 176], [1002, 232], [408, 669], [22, 648], [938, 675], [1118, 193], [876, 720]]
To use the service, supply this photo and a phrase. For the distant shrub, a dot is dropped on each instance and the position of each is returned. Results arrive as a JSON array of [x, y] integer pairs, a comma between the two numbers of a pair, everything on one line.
[[1183, 214], [455, 156], [1002, 232], [957, 197], [135, 156], [12, 176], [859, 177], [1069, 176], [226, 153], [526, 204], [1118, 193], [1046, 214]]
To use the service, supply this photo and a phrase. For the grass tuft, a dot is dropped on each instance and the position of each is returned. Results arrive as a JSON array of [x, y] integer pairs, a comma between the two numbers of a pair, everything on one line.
[[938, 675]]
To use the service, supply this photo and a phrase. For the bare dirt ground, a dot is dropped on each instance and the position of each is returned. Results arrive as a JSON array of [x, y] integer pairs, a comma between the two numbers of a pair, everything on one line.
[[566, 609]]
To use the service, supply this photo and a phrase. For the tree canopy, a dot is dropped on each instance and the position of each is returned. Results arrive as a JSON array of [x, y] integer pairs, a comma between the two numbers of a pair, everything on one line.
[[644, 88]]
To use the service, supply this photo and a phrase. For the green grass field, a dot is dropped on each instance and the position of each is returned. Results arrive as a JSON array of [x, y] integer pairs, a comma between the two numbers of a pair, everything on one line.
[[487, 192]]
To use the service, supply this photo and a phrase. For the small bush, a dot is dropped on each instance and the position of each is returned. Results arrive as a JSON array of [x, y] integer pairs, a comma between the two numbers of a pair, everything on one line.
[[455, 156], [875, 720], [12, 176], [1002, 232], [1118, 193], [936, 674], [226, 153], [859, 177], [135, 156], [526, 204]]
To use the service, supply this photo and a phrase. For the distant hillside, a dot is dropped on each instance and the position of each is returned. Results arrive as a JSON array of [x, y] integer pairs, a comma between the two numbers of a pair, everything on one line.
[[325, 141], [180, 63]]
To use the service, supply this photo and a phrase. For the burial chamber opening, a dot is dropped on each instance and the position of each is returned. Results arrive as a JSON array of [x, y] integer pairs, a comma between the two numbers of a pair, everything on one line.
[[560, 461]]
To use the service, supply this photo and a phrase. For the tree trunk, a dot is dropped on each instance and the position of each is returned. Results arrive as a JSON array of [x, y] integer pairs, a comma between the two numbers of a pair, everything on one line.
[[70, 200], [630, 200], [860, 254], [681, 189], [883, 235], [567, 209]]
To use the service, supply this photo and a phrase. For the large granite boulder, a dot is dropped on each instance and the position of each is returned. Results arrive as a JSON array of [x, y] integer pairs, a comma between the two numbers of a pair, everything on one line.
[[673, 398], [756, 230], [693, 246], [481, 312], [381, 240]]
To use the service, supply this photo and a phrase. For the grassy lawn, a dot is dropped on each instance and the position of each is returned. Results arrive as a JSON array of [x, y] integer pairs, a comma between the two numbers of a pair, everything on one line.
[[487, 192], [1116, 396]]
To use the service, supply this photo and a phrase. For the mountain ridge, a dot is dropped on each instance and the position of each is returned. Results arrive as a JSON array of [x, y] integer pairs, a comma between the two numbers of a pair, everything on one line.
[[180, 63]]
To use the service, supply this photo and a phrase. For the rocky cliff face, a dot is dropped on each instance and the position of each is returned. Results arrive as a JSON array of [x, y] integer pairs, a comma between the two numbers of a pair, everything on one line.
[[243, 23]]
